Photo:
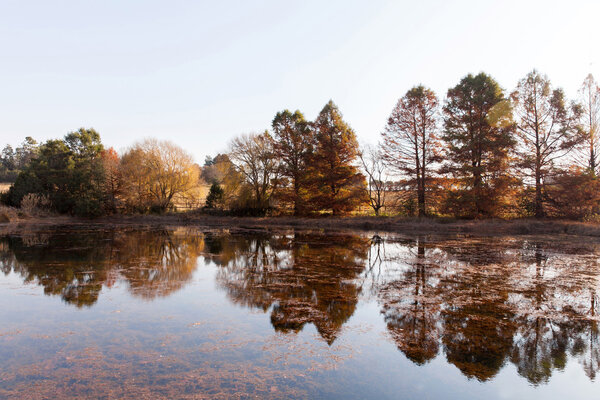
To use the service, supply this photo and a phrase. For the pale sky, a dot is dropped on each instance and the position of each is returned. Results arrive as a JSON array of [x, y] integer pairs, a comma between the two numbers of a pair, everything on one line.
[[199, 73]]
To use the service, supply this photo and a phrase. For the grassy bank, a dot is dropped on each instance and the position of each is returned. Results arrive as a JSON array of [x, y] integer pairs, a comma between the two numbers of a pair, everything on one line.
[[409, 225], [18, 221]]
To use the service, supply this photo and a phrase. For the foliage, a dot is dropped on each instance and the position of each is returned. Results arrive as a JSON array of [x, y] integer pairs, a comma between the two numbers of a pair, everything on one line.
[[214, 169], [483, 163], [35, 204], [68, 171], [215, 196], [293, 145], [335, 182], [574, 193], [410, 138], [14, 161], [253, 157], [547, 129], [154, 173], [478, 132], [113, 182]]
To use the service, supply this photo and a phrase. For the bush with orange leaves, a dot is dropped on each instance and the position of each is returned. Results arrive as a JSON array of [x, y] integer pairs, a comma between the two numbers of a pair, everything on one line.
[[573, 194]]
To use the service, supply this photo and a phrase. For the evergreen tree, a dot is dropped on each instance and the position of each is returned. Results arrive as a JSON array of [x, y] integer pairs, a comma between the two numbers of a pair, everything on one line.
[[70, 172], [215, 196], [478, 131]]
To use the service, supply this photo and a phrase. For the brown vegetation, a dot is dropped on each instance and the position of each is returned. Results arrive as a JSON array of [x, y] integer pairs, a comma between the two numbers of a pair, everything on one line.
[[478, 154]]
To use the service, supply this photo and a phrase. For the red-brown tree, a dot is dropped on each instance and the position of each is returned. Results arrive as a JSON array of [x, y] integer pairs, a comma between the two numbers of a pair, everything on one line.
[[410, 138], [547, 129], [335, 181]]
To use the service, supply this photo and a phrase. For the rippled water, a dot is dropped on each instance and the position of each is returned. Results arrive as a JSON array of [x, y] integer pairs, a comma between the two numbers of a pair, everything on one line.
[[191, 313]]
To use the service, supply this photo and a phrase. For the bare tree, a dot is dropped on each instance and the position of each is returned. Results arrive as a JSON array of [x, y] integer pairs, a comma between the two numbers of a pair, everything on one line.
[[253, 156], [589, 151], [547, 128], [375, 170], [410, 139]]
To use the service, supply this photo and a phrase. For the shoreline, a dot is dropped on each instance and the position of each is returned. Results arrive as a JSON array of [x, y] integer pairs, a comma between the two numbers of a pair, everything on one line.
[[400, 225]]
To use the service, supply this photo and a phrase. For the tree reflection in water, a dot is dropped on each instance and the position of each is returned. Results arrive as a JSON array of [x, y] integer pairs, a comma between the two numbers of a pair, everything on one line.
[[481, 303], [76, 265], [411, 308], [488, 302], [305, 277]]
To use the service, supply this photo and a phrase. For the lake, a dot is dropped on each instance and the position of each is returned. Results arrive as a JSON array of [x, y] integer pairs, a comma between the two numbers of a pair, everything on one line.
[[187, 312]]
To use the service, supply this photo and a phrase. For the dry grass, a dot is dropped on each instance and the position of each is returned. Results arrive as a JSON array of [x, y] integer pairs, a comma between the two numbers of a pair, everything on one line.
[[10, 214], [4, 187], [14, 220]]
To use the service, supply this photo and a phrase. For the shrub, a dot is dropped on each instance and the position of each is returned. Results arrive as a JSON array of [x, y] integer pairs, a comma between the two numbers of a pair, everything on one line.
[[36, 204]]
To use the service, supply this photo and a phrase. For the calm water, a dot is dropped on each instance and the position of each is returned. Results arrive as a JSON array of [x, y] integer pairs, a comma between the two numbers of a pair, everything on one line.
[[188, 313]]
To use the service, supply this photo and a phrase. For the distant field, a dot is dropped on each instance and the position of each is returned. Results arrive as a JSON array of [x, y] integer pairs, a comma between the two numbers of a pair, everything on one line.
[[4, 187], [200, 199]]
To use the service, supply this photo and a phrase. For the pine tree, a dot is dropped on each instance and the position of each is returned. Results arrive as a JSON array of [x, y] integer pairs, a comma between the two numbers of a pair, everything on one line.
[[478, 131]]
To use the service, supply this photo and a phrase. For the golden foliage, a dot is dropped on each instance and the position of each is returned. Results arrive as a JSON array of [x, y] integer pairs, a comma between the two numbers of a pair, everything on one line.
[[155, 173]]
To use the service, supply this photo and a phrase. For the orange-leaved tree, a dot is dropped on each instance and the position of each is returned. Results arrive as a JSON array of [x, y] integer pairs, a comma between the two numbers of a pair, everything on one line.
[[410, 138], [547, 129], [292, 144], [113, 183], [335, 181]]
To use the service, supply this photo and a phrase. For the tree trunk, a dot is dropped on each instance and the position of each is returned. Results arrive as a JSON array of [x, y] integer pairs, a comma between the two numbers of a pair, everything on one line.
[[296, 198], [539, 207], [592, 158], [477, 183], [421, 196]]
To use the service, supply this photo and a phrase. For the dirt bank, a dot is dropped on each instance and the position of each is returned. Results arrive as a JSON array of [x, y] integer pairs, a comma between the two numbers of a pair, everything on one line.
[[384, 224]]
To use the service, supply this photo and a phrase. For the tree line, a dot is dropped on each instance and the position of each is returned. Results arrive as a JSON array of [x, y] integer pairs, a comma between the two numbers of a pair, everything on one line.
[[480, 152], [77, 175], [486, 153]]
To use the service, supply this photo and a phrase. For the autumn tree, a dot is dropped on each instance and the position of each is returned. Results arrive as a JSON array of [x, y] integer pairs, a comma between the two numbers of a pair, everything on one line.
[[335, 181], [112, 178], [155, 173], [373, 165], [547, 129], [478, 132], [292, 145], [253, 156], [589, 151], [135, 180], [213, 171], [573, 193], [410, 138]]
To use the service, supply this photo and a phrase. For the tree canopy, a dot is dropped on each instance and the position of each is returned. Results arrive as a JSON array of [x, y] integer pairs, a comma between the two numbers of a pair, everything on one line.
[[478, 133]]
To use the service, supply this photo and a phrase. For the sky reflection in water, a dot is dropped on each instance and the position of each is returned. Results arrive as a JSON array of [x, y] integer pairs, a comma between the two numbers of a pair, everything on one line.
[[232, 314]]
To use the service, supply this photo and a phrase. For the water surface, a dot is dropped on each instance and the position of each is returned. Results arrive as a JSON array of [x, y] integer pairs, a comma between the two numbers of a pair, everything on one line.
[[193, 313]]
